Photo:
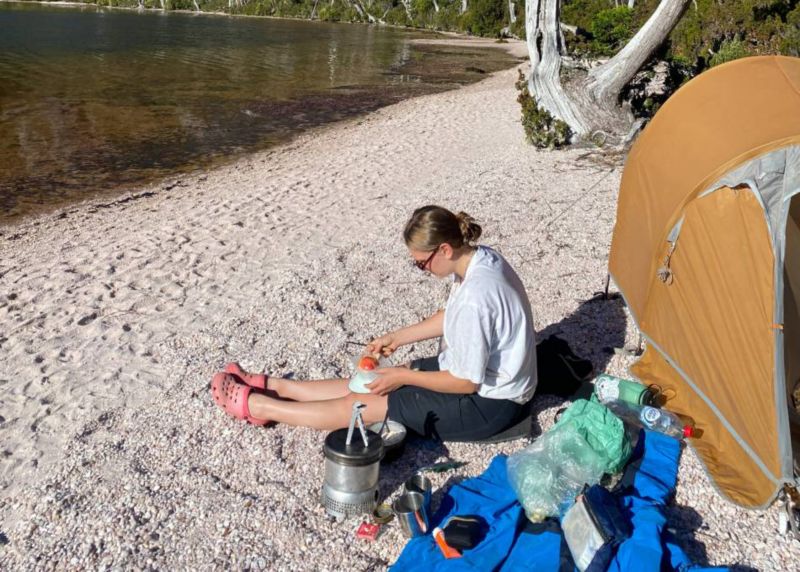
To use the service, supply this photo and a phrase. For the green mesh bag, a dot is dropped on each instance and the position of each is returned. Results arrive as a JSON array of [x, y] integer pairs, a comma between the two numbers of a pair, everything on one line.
[[602, 432]]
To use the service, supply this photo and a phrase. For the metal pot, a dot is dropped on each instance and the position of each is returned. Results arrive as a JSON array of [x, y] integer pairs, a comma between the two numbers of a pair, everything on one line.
[[351, 474]]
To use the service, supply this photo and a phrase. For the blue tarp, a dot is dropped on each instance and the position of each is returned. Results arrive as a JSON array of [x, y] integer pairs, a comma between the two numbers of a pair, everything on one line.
[[513, 543]]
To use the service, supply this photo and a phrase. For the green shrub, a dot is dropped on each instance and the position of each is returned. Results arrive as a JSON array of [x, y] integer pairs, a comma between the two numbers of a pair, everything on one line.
[[728, 51], [447, 18], [790, 43], [581, 12], [485, 17], [422, 6], [542, 130], [338, 12], [397, 16], [611, 29]]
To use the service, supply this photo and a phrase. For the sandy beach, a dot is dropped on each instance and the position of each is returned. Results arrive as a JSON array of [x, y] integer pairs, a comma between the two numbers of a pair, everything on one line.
[[115, 313]]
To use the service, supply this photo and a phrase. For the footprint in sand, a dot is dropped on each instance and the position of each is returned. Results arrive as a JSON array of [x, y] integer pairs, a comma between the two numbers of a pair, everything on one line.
[[87, 319]]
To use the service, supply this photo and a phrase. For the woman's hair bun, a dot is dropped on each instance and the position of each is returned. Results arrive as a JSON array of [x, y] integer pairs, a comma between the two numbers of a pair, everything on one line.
[[470, 230], [431, 226]]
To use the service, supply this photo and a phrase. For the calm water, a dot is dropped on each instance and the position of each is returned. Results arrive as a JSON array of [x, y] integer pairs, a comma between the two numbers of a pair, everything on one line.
[[94, 100]]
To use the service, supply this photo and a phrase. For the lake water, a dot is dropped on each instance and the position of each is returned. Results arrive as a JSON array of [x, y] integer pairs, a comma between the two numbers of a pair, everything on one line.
[[94, 101]]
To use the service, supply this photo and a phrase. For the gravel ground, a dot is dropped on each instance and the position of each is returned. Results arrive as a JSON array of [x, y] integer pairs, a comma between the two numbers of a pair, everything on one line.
[[116, 315]]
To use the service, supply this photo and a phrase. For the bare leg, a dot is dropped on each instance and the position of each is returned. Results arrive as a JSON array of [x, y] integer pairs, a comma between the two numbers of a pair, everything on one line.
[[329, 414], [308, 390]]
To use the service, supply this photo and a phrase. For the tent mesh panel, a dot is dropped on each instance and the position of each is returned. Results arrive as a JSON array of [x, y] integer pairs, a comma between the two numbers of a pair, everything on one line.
[[791, 273]]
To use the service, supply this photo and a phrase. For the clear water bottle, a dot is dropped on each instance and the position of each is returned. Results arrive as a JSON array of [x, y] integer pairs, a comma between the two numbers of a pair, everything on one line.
[[653, 418]]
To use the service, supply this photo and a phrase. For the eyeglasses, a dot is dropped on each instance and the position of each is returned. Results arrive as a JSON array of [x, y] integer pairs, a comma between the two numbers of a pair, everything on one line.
[[424, 264]]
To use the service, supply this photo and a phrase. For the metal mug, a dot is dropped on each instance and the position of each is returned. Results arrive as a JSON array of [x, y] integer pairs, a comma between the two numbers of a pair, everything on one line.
[[421, 484], [411, 514]]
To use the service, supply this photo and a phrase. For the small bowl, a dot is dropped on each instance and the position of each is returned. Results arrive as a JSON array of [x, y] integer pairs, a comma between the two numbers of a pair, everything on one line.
[[394, 436]]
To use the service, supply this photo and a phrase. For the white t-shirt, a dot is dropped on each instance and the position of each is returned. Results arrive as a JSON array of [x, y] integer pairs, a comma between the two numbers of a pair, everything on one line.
[[488, 330]]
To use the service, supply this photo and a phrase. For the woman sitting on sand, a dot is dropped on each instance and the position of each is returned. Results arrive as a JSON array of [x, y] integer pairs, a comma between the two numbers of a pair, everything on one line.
[[474, 389]]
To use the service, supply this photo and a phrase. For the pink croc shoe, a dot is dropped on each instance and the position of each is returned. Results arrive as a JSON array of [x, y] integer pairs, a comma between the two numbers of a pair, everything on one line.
[[257, 380], [232, 397]]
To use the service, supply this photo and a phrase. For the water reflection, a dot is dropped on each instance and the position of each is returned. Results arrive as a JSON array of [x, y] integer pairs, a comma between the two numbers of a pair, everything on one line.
[[92, 100]]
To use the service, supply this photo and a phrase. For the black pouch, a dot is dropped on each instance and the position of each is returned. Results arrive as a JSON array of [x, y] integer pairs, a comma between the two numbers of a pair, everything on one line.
[[593, 528], [463, 532]]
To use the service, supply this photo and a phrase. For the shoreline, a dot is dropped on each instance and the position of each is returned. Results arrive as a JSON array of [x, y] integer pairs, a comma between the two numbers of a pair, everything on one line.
[[154, 182], [119, 313], [69, 4]]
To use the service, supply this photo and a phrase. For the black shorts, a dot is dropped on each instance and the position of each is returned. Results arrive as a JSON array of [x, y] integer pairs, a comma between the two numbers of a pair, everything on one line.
[[450, 416]]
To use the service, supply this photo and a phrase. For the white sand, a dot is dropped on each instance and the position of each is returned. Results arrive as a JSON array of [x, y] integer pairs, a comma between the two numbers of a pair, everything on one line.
[[114, 315]]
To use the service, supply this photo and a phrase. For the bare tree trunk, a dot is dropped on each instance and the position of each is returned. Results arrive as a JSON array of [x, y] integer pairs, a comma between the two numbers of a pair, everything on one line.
[[407, 6], [196, 5], [357, 7], [590, 104], [630, 4], [370, 18], [463, 6], [436, 6], [545, 46], [512, 16], [607, 81]]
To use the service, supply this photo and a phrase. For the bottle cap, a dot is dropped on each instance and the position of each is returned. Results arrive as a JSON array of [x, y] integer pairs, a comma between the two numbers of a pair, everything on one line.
[[688, 431]]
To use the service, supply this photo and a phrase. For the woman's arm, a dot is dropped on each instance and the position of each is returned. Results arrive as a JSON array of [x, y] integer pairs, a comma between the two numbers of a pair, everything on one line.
[[391, 378], [431, 327]]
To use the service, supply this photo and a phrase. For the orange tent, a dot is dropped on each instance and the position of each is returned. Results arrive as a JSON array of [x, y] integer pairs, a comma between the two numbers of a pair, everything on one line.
[[706, 252]]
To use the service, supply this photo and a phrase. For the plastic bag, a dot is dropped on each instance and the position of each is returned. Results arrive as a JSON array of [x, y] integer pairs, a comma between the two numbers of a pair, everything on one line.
[[587, 442], [364, 373]]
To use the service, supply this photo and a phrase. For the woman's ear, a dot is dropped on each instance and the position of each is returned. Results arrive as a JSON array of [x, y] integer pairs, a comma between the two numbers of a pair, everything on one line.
[[447, 250]]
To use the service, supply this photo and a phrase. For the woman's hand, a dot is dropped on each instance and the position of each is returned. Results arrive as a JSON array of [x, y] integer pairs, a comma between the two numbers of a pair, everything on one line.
[[384, 345], [389, 379]]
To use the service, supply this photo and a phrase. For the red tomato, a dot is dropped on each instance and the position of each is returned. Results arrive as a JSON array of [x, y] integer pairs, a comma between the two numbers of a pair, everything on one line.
[[368, 363]]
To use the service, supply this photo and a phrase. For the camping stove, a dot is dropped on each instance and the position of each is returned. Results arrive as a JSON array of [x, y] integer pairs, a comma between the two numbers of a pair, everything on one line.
[[351, 470]]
